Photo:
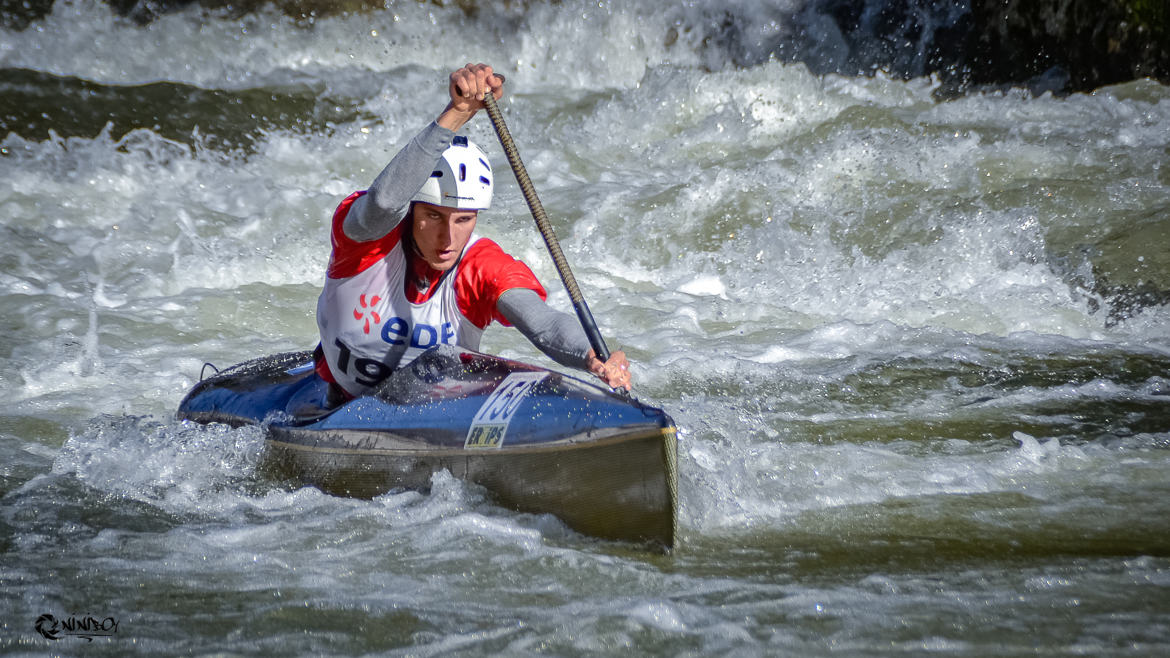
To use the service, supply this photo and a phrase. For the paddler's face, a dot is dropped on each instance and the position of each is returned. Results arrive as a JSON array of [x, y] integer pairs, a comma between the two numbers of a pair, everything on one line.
[[441, 233]]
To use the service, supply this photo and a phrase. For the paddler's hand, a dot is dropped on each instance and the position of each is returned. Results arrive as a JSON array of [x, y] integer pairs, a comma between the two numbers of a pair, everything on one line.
[[467, 87], [615, 372]]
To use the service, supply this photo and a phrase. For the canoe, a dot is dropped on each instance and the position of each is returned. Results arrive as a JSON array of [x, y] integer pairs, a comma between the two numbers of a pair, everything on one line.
[[538, 440]]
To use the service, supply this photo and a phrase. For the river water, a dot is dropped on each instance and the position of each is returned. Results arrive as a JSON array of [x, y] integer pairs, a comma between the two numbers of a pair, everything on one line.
[[918, 349]]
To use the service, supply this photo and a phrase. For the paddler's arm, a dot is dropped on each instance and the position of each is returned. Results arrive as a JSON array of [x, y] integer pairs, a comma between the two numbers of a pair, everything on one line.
[[377, 212], [560, 337]]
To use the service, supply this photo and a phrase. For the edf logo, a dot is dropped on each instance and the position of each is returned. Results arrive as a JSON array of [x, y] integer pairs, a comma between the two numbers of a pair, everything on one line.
[[397, 331]]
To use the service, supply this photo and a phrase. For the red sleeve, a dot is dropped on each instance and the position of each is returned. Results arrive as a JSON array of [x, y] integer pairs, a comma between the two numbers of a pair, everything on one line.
[[485, 273], [350, 257]]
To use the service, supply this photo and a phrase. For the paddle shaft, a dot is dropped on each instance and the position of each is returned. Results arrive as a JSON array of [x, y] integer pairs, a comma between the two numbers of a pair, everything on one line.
[[546, 230]]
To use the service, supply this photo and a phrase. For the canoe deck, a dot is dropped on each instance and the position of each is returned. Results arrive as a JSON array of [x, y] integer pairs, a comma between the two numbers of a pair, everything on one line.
[[537, 440]]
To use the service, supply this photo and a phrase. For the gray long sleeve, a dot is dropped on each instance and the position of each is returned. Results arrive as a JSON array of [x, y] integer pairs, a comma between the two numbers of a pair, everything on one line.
[[385, 204], [557, 334]]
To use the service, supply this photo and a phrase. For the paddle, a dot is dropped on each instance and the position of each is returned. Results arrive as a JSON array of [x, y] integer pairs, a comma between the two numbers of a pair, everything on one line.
[[546, 230]]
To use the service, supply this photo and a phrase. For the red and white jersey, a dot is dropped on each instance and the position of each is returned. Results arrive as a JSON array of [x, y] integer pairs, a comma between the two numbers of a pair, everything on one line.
[[373, 321]]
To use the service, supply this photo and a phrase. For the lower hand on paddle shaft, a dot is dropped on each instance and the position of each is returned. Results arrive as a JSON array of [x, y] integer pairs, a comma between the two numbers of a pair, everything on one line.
[[615, 372]]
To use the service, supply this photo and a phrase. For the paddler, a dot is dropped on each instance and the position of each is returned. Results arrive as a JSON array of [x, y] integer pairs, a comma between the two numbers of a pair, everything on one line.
[[408, 271]]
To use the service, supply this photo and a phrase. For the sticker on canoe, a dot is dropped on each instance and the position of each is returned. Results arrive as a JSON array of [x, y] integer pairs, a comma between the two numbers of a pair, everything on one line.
[[491, 421]]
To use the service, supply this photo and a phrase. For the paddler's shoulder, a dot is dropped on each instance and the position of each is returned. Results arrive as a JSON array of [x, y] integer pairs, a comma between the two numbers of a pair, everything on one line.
[[485, 251]]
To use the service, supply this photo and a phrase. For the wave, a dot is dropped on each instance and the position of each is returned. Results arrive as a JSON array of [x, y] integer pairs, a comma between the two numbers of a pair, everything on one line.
[[1042, 46]]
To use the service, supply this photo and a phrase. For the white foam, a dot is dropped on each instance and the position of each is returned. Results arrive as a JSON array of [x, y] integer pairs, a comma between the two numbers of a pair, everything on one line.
[[704, 285]]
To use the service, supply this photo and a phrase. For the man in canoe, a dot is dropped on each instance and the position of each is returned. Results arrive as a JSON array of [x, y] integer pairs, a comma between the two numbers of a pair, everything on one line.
[[408, 271]]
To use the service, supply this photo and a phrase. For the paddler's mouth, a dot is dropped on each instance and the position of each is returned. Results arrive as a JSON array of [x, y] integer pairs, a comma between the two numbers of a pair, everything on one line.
[[443, 260]]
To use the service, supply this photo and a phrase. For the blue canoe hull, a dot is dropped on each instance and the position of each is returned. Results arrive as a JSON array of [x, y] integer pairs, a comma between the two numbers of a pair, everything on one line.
[[538, 440]]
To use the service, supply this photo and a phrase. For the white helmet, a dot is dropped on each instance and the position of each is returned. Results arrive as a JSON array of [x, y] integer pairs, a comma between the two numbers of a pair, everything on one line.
[[461, 179]]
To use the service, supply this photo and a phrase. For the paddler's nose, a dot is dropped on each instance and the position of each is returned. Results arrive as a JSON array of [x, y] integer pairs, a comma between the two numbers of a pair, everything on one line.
[[447, 232]]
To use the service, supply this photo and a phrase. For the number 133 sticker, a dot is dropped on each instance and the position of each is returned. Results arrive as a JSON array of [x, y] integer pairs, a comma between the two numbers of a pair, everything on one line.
[[491, 421]]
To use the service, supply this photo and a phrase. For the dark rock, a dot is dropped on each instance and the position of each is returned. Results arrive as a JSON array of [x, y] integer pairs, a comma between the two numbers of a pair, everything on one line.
[[1057, 46], [19, 14], [1092, 42]]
